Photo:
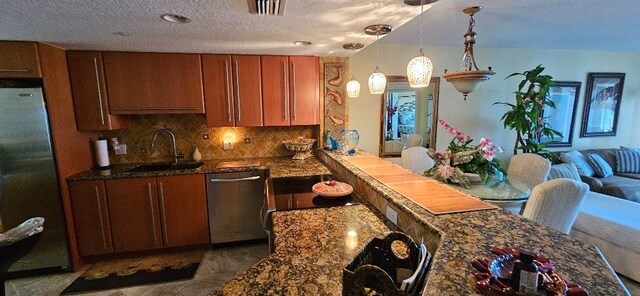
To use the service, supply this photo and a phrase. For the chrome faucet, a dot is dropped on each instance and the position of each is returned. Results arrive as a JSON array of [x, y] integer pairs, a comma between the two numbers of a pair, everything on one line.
[[167, 131]]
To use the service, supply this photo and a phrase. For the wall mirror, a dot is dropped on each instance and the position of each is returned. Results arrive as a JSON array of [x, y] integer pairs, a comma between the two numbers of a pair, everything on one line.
[[408, 116]]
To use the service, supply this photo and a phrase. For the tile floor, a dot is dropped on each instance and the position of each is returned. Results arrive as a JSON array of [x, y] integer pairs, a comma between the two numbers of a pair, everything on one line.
[[218, 266]]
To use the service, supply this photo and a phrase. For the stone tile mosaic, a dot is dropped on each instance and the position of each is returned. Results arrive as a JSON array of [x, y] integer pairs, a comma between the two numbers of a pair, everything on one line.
[[190, 131]]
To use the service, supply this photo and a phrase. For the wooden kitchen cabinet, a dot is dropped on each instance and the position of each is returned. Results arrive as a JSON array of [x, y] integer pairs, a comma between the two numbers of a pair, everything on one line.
[[233, 89], [275, 90], [290, 87], [134, 214], [90, 99], [153, 83], [19, 60], [304, 83], [183, 209], [91, 217]]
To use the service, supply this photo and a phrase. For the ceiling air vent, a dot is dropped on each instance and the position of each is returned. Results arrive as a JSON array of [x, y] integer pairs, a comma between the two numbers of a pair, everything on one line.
[[266, 7]]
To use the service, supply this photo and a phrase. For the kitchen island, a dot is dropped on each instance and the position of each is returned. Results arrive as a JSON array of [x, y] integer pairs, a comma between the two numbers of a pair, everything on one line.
[[303, 264]]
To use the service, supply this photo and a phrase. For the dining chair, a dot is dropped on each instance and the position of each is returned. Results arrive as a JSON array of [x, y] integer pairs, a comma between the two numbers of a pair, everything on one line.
[[555, 203], [416, 159], [532, 169], [414, 140]]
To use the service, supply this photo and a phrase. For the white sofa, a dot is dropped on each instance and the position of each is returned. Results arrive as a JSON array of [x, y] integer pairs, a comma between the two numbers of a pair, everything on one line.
[[613, 225]]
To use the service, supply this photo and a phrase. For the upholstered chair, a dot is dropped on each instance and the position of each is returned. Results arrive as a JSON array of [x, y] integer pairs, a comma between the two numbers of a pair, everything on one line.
[[556, 203], [414, 140], [532, 169], [416, 159], [393, 146]]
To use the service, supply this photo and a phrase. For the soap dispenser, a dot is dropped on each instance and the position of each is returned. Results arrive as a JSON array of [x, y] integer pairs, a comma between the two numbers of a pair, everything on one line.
[[197, 156]]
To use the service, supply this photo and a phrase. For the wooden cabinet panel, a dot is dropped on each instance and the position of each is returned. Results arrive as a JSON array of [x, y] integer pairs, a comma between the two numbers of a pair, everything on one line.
[[275, 90], [19, 60], [91, 217], [134, 214], [89, 92], [218, 90], [142, 83], [304, 90], [183, 209], [248, 90]]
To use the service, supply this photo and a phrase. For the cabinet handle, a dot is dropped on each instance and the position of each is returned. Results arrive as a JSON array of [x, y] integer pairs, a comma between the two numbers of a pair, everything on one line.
[[104, 239], [156, 108], [153, 215], [285, 95], [13, 70], [95, 66], [226, 84], [235, 180], [238, 92], [163, 215], [293, 88]]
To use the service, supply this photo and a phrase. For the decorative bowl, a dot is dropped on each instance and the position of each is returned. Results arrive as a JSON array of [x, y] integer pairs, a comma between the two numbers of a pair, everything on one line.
[[338, 189], [301, 147]]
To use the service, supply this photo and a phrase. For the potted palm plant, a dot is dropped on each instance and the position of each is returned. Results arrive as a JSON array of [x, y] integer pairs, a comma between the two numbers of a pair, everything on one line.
[[525, 116]]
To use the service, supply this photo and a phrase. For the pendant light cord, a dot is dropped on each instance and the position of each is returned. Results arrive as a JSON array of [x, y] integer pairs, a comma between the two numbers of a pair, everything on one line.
[[421, 22], [377, 53]]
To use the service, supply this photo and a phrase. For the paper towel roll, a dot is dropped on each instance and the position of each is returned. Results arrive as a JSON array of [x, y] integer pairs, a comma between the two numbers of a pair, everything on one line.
[[102, 153]]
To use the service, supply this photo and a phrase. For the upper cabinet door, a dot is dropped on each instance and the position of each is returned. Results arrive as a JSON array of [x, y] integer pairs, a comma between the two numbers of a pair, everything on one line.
[[218, 90], [248, 90], [90, 92], [275, 90], [304, 90], [154, 83], [19, 60]]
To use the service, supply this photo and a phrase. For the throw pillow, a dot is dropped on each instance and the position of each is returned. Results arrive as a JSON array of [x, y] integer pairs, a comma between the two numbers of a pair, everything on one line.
[[564, 170], [636, 149], [600, 166], [575, 157], [628, 162]]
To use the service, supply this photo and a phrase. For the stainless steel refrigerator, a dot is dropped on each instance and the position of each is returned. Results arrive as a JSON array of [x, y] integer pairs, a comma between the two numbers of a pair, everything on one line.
[[28, 178]]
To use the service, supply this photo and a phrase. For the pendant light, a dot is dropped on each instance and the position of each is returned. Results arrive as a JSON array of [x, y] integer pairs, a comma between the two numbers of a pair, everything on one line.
[[465, 79], [353, 86], [377, 80], [420, 68]]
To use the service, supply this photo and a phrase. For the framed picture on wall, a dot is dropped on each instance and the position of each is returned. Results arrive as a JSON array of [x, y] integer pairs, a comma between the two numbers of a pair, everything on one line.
[[562, 118], [602, 104]]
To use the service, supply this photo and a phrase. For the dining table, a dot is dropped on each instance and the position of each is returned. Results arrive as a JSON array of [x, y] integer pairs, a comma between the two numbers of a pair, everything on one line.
[[508, 193]]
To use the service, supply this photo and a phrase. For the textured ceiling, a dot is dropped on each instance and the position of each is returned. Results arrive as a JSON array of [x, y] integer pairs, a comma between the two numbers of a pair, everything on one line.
[[226, 26]]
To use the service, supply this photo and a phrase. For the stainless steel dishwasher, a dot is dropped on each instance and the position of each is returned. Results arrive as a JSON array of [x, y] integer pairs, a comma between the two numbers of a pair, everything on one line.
[[234, 201]]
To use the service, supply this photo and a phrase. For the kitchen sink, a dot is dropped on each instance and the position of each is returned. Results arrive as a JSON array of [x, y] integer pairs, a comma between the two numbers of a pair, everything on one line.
[[163, 166]]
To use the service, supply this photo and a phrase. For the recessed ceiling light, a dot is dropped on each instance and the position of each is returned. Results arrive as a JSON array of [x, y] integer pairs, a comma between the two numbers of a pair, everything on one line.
[[302, 43], [121, 33], [174, 18]]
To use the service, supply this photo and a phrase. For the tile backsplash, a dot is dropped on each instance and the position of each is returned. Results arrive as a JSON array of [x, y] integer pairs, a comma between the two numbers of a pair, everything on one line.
[[190, 131]]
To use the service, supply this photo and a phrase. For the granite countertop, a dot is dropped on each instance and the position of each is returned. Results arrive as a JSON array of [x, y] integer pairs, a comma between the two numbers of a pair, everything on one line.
[[465, 236], [311, 250], [278, 167]]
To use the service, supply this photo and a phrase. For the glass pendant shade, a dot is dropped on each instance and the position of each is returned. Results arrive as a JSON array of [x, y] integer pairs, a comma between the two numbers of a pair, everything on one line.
[[353, 88], [419, 71], [377, 83]]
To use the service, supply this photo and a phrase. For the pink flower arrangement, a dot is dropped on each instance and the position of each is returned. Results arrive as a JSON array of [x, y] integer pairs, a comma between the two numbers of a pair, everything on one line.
[[463, 157]]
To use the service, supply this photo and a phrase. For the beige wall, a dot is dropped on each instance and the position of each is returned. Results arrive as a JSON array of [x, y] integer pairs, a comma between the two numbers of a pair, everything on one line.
[[477, 116]]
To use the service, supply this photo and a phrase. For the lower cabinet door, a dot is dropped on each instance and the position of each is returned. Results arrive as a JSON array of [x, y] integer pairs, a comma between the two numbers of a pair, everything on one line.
[[183, 210], [134, 214], [91, 218]]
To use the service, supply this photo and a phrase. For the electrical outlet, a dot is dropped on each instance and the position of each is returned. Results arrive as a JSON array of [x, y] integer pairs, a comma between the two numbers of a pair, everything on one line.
[[121, 149], [392, 215], [247, 140], [227, 145]]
